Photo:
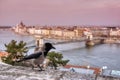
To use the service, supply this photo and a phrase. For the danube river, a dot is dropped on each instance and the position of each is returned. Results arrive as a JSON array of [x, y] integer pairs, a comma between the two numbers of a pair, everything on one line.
[[97, 56]]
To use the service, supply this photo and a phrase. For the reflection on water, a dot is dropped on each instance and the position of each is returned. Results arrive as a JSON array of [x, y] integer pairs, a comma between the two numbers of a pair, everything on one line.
[[99, 55]]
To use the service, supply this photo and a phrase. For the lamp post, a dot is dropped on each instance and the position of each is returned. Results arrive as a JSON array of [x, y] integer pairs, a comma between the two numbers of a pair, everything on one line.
[[88, 67], [103, 70]]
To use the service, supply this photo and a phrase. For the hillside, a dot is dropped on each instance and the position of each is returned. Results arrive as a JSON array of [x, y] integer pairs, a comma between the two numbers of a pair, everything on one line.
[[8, 72]]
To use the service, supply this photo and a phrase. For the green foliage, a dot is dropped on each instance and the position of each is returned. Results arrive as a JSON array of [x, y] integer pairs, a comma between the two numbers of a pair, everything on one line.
[[15, 51], [56, 59]]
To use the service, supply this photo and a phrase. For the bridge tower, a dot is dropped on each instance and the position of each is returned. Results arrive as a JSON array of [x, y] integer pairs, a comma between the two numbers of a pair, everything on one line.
[[89, 37], [89, 41], [39, 41]]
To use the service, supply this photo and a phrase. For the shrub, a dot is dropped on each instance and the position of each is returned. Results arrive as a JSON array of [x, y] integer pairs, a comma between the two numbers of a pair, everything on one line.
[[15, 50], [56, 59]]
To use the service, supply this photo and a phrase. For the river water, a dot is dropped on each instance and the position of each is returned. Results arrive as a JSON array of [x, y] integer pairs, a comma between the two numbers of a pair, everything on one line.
[[97, 56]]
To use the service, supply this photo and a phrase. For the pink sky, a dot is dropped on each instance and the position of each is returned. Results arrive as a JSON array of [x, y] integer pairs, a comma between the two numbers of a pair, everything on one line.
[[60, 12]]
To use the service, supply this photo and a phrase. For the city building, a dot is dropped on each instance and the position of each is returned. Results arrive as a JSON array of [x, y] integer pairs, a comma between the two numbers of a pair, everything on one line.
[[114, 32], [20, 28]]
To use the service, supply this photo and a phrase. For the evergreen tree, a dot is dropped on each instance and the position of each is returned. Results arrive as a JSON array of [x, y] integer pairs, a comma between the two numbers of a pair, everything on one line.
[[15, 51], [56, 59]]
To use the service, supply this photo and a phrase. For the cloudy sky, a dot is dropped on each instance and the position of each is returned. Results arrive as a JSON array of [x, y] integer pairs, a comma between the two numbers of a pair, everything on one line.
[[60, 12]]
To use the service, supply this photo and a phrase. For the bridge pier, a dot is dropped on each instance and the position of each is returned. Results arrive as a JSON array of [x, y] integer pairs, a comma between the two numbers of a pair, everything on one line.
[[91, 42], [95, 42]]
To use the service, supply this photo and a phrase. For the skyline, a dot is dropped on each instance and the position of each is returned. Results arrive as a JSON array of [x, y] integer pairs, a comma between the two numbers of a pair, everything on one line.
[[60, 12]]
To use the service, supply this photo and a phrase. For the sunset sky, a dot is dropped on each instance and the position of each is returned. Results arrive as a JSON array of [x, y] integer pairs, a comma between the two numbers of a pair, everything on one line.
[[60, 12]]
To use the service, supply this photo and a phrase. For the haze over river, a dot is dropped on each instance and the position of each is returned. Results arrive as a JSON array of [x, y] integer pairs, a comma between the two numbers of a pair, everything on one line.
[[97, 56]]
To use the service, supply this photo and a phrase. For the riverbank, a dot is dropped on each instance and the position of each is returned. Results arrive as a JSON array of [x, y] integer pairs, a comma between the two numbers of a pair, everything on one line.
[[112, 41]]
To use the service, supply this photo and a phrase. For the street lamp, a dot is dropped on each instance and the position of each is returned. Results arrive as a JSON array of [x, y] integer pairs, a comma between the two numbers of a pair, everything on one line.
[[104, 67], [103, 70], [88, 67]]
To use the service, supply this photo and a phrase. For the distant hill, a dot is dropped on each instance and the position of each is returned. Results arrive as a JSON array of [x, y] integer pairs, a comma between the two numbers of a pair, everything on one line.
[[5, 26]]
